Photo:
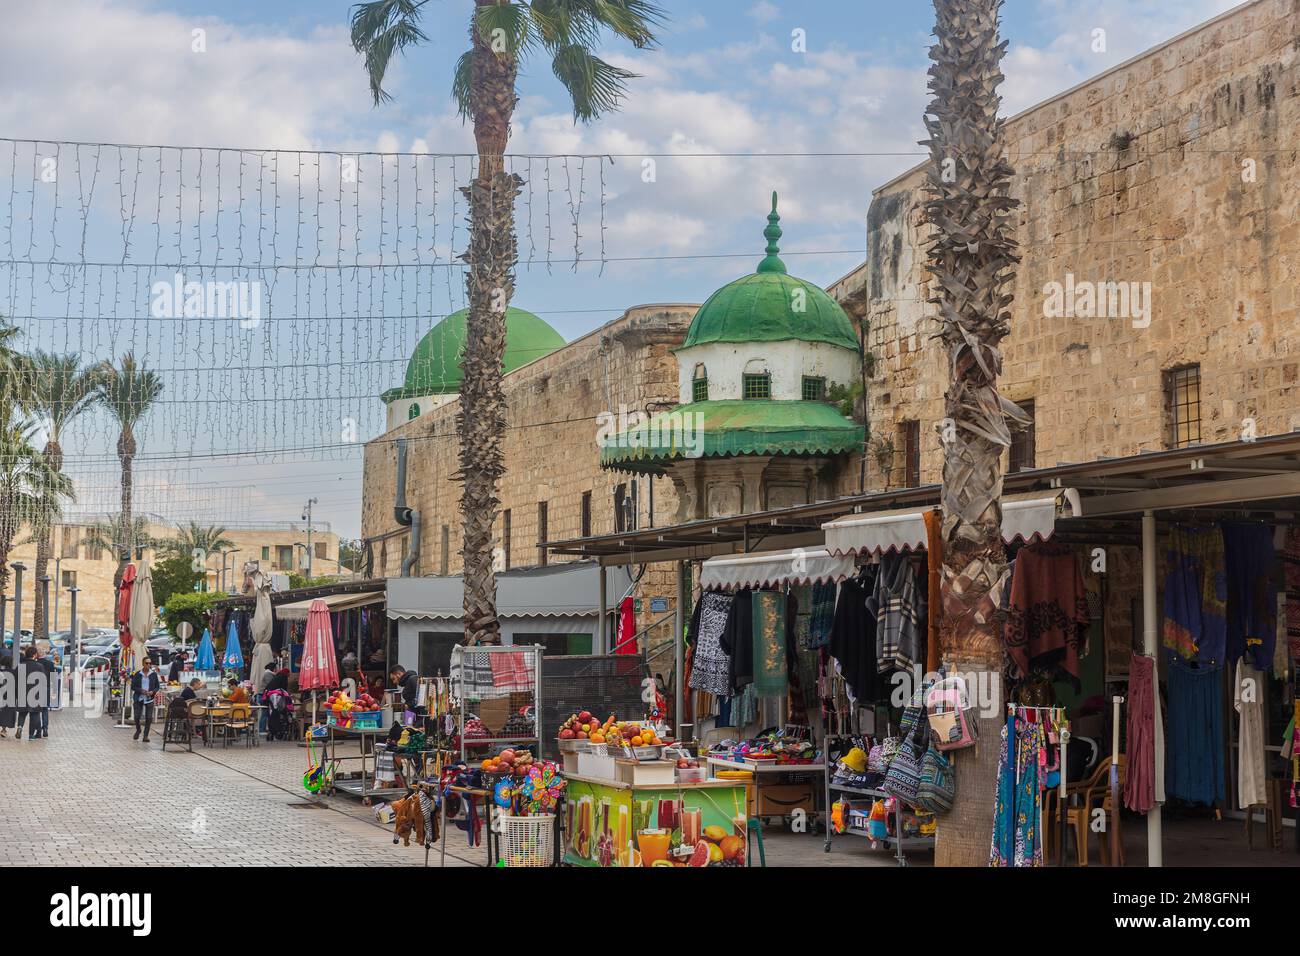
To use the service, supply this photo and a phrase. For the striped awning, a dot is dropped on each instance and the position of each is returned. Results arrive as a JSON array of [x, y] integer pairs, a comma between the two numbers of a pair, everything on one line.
[[767, 568], [1025, 517]]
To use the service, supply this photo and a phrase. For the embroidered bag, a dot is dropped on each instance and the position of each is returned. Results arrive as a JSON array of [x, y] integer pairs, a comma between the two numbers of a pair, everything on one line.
[[950, 716], [938, 787]]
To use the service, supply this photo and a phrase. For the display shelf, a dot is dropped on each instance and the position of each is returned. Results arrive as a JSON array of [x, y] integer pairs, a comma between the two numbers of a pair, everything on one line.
[[900, 845]]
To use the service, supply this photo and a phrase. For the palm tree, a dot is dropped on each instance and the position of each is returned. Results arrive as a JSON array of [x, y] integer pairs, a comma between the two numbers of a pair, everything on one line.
[[28, 485], [107, 535], [971, 256], [501, 33], [194, 537], [59, 390], [127, 391]]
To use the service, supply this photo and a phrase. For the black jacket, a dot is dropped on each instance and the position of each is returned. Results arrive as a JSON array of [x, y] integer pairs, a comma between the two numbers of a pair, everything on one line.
[[139, 686], [410, 685]]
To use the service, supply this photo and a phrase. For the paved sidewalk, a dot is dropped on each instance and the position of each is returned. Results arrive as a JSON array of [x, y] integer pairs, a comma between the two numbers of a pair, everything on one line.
[[90, 795]]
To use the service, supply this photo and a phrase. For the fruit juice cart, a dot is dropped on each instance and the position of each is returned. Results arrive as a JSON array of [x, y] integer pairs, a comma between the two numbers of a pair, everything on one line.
[[612, 823]]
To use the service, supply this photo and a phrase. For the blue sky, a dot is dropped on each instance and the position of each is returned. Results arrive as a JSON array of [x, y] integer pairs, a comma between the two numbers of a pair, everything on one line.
[[725, 81]]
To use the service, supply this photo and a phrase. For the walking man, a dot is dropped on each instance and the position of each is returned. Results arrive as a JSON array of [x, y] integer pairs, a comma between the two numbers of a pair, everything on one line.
[[41, 714], [144, 685]]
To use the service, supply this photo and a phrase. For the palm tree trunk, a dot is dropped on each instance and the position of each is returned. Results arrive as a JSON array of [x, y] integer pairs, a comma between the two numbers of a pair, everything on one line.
[[971, 258], [492, 253], [125, 452], [53, 455]]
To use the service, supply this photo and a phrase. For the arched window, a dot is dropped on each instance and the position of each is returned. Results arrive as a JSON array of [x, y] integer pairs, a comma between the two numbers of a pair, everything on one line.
[[700, 384], [413, 411]]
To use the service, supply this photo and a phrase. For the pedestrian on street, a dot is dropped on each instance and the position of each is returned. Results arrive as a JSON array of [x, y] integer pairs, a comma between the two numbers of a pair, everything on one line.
[[30, 677], [9, 690], [177, 668], [41, 716], [260, 683], [144, 685]]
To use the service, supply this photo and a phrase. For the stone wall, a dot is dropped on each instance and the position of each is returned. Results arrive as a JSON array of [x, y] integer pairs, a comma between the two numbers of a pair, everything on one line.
[[1179, 169], [551, 452]]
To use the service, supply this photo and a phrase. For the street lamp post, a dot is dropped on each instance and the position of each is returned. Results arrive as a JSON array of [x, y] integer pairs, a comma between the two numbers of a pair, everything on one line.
[[19, 568], [306, 516], [76, 645]]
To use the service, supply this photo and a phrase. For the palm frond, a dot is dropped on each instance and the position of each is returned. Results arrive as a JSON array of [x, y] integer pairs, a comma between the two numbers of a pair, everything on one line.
[[594, 85], [462, 84], [633, 20], [380, 29], [60, 388], [508, 22], [127, 390]]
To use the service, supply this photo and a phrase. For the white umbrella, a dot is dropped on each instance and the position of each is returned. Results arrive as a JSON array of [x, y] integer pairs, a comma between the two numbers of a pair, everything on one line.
[[262, 624], [143, 612]]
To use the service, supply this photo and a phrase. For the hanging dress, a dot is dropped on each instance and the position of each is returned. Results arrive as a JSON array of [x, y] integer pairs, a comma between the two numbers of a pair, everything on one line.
[[1247, 698], [710, 665], [1018, 809]]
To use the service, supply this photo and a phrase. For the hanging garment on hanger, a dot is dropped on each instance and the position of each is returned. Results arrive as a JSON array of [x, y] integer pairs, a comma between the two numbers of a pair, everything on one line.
[[771, 676], [822, 614], [900, 614], [1018, 808], [853, 640], [1248, 699], [1196, 593], [624, 644], [737, 640], [1048, 611], [1252, 592], [1194, 752], [1139, 779], [1291, 573], [711, 666]]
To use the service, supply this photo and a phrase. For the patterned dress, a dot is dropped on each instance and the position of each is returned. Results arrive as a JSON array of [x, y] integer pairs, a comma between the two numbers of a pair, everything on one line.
[[1018, 808], [711, 665]]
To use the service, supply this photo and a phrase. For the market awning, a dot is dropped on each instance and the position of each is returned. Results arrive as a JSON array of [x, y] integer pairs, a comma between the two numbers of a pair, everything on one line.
[[564, 591], [731, 427], [1026, 517], [334, 603], [795, 566]]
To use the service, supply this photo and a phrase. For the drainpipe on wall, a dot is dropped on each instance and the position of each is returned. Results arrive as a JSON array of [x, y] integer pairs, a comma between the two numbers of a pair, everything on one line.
[[407, 517]]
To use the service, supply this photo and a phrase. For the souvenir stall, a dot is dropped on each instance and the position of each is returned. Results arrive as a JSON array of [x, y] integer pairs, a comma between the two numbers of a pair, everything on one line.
[[757, 659]]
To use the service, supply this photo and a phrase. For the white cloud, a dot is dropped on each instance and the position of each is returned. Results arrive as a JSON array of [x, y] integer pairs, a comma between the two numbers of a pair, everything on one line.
[[763, 11]]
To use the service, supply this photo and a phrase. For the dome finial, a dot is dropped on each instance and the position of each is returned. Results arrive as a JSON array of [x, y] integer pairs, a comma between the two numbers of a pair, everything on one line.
[[772, 261]]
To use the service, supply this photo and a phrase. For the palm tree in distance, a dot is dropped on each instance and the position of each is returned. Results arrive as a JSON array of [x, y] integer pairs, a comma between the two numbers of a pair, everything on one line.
[[59, 389], [127, 390], [502, 33]]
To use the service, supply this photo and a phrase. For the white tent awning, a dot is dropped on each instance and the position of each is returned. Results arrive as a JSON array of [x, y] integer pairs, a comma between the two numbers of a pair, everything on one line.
[[764, 568], [297, 611], [1026, 517]]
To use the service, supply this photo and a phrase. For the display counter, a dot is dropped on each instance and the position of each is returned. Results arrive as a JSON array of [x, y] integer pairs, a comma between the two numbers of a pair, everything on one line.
[[614, 823]]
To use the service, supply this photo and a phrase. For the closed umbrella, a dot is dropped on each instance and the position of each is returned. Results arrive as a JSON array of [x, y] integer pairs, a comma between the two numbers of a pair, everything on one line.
[[233, 659], [124, 595], [318, 667], [205, 658], [263, 622], [140, 618]]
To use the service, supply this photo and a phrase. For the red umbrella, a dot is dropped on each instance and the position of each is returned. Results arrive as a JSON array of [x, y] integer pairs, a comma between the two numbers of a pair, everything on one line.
[[124, 595], [318, 667]]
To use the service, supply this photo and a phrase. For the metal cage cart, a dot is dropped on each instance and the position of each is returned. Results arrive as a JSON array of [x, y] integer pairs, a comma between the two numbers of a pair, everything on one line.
[[896, 841], [503, 677]]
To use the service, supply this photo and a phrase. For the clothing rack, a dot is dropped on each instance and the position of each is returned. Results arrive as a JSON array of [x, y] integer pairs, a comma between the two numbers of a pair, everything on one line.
[[1059, 713]]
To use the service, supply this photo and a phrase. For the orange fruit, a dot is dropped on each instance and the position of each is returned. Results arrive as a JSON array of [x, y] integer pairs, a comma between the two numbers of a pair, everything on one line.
[[486, 764], [637, 741]]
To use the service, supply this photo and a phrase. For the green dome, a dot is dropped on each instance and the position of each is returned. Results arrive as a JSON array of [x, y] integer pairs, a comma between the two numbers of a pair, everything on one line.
[[434, 368], [763, 307]]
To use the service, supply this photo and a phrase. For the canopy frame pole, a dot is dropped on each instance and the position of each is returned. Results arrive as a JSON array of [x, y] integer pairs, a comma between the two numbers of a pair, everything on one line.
[[1155, 838], [603, 644], [679, 651]]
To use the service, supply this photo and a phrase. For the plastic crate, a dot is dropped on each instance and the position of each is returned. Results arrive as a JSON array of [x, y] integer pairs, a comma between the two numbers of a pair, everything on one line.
[[356, 718], [528, 841]]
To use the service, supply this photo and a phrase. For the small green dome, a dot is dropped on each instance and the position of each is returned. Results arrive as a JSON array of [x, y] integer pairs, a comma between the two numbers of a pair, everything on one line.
[[434, 368], [771, 306]]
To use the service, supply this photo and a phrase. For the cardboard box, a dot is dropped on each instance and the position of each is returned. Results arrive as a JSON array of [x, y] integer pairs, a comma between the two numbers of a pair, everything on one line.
[[781, 799], [647, 773], [597, 766]]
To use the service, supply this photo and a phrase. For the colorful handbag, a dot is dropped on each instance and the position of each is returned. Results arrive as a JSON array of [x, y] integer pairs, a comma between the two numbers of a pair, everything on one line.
[[950, 719], [904, 775], [938, 787]]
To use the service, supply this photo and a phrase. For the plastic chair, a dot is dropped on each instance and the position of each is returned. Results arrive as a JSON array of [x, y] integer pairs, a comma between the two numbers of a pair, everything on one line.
[[1095, 795], [239, 724], [178, 729]]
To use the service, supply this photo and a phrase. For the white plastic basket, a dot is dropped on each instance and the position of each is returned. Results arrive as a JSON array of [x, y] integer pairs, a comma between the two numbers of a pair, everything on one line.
[[528, 841]]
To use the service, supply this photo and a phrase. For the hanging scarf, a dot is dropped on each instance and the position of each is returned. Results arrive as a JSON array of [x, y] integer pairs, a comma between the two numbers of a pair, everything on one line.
[[771, 678], [1018, 811]]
